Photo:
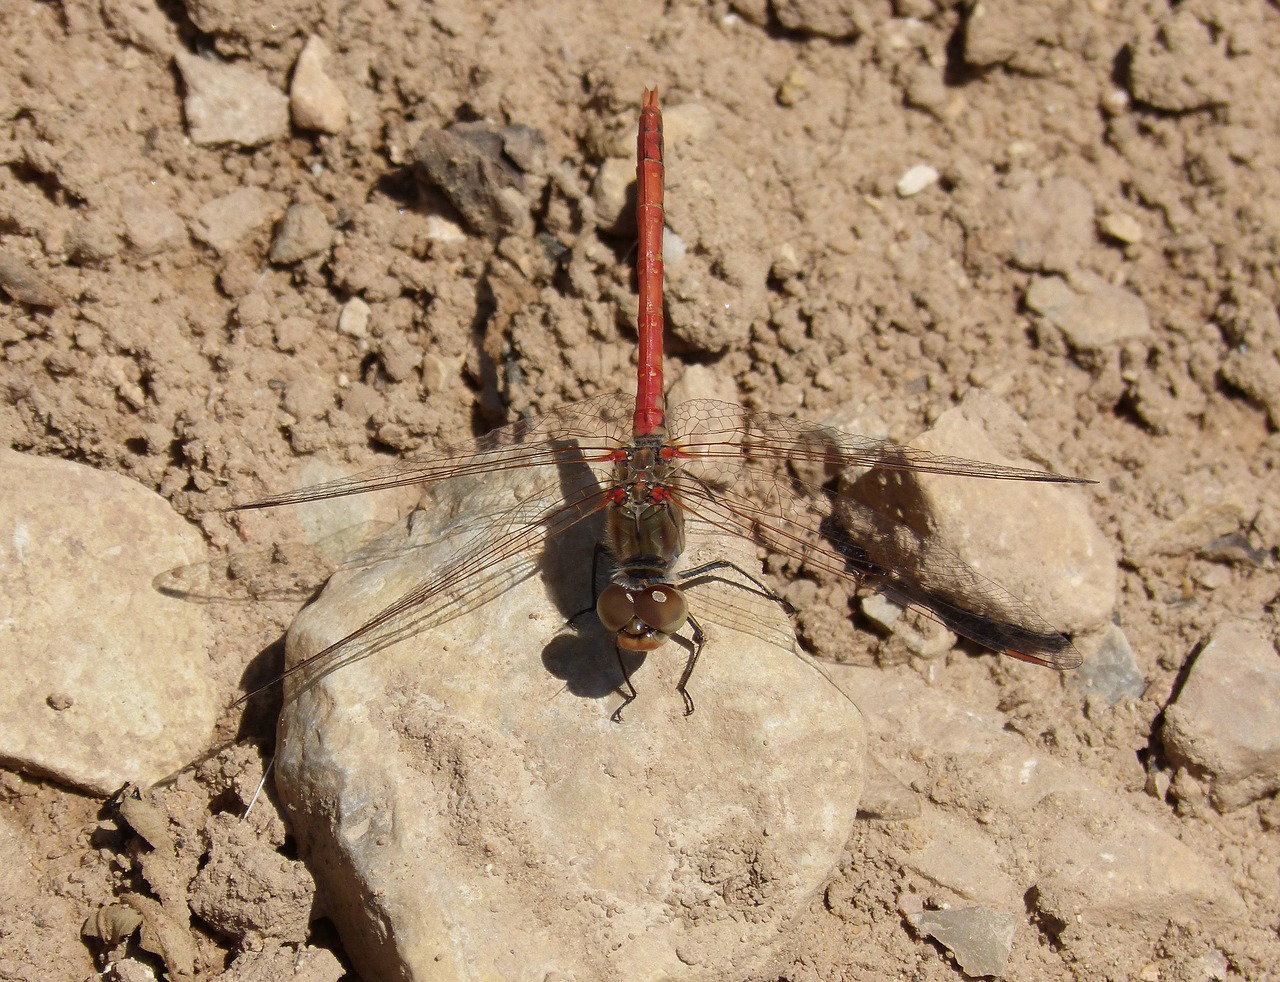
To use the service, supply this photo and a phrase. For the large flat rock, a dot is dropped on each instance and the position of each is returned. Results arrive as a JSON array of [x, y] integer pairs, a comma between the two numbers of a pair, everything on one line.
[[104, 677], [470, 810]]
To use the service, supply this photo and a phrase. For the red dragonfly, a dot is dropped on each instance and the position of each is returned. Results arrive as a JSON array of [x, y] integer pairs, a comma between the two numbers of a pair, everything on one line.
[[705, 461]]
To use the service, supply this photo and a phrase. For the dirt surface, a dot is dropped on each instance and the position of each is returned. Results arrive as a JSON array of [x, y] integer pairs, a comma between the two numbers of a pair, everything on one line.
[[1115, 161]]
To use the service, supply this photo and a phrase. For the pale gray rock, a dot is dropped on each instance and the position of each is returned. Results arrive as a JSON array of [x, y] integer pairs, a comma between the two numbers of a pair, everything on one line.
[[1053, 223], [302, 233], [225, 222], [1090, 312], [1035, 540], [315, 100], [150, 225], [979, 938], [614, 211], [1225, 724], [230, 104], [1005, 823], [469, 809], [1111, 670], [105, 679]]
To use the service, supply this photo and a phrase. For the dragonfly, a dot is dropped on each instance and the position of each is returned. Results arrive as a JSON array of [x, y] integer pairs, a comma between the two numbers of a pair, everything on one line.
[[718, 464]]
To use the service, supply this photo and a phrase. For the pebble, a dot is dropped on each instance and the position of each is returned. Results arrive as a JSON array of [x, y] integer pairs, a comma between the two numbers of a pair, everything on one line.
[[1225, 724], [1121, 227], [916, 179], [615, 210], [19, 279], [91, 242], [303, 232], [979, 938], [1111, 670], [78, 551], [1037, 541], [1092, 313], [225, 222], [472, 165], [1053, 224], [353, 320], [230, 104], [150, 225], [437, 786], [315, 100]]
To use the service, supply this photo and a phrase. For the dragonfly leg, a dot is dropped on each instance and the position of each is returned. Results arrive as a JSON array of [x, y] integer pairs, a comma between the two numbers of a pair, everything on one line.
[[695, 649], [706, 571], [627, 688]]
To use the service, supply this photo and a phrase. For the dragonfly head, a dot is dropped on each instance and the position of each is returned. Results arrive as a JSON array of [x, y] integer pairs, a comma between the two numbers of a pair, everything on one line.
[[642, 619]]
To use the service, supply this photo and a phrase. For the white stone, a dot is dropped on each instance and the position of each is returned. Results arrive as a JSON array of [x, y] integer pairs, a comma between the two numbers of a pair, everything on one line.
[[316, 101], [353, 320], [230, 104], [225, 222], [916, 179], [465, 800], [105, 678]]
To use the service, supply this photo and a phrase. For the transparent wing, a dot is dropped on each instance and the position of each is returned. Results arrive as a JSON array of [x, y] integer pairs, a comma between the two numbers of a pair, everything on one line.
[[493, 556], [711, 431], [835, 534], [593, 428]]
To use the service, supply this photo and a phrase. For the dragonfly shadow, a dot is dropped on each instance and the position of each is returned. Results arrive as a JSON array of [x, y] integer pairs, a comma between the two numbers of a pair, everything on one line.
[[496, 546]]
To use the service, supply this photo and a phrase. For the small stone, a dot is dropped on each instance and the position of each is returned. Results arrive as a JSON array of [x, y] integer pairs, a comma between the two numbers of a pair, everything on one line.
[[978, 937], [78, 551], [150, 225], [689, 122], [229, 104], [1092, 313], [1038, 541], [1053, 224], [316, 101], [19, 279], [91, 242], [916, 179], [225, 222], [615, 212], [292, 333], [1112, 670], [302, 232], [793, 89], [353, 321], [470, 165], [1225, 724], [1121, 227]]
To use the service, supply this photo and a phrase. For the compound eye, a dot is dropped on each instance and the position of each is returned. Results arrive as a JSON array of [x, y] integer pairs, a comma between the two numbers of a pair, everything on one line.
[[616, 608], [662, 607]]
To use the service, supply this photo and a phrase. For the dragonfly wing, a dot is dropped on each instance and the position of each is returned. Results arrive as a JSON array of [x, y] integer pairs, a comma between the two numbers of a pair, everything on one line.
[[712, 431], [834, 534], [492, 557], [592, 429]]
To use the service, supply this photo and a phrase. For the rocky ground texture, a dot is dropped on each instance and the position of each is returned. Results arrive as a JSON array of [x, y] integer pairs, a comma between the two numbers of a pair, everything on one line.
[[250, 247]]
